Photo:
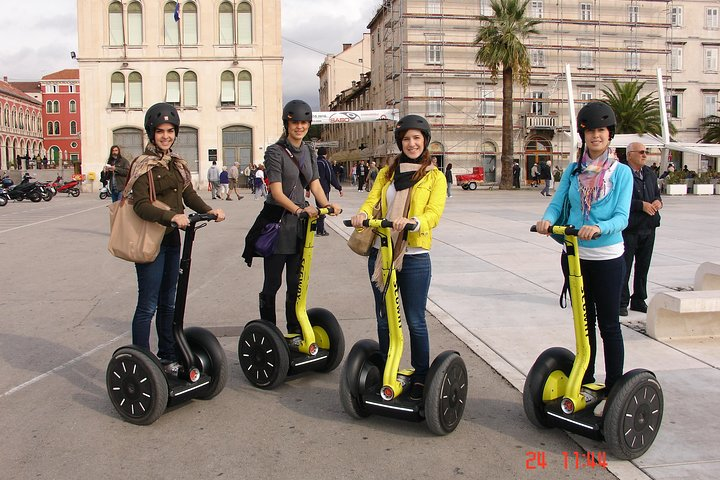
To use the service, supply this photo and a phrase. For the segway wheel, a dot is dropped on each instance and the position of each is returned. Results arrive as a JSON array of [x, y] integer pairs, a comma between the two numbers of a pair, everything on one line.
[[633, 414], [3, 201], [264, 354], [551, 360], [446, 393], [137, 386], [328, 336], [362, 372], [210, 358], [75, 192]]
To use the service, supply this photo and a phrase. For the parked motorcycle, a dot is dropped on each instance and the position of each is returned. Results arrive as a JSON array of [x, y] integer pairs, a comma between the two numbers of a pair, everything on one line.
[[24, 190], [4, 197], [71, 188]]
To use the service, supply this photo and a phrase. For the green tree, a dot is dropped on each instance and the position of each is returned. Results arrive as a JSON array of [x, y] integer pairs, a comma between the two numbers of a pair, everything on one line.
[[500, 38], [634, 113], [711, 126]]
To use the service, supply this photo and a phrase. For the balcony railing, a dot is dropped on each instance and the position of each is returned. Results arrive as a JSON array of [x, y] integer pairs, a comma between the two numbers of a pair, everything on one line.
[[541, 122]]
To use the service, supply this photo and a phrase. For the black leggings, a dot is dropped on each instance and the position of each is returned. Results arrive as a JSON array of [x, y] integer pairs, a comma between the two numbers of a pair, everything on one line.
[[274, 265]]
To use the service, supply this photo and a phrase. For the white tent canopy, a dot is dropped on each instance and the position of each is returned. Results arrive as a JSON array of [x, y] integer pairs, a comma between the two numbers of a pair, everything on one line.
[[707, 149]]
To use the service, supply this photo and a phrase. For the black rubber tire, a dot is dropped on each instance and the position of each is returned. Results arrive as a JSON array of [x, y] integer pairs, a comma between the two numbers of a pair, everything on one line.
[[35, 196], [328, 336], [3, 200], [445, 393], [103, 195], [360, 372], [633, 414], [464, 186], [137, 386], [209, 358], [75, 192], [472, 186], [552, 359], [264, 354], [47, 195]]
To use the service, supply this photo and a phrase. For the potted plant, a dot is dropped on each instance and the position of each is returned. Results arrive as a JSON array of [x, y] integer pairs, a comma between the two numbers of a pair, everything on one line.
[[703, 183], [675, 184]]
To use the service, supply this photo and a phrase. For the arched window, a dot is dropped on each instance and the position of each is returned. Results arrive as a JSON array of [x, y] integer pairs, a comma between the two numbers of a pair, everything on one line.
[[56, 106], [244, 24], [49, 128], [21, 122], [115, 23], [244, 89], [190, 23], [73, 128], [135, 99], [48, 107], [171, 26], [56, 126], [172, 88], [225, 20], [190, 89], [135, 23], [73, 106], [227, 88], [117, 90]]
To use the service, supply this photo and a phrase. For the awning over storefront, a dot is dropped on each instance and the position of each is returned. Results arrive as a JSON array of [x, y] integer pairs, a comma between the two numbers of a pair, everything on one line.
[[622, 140], [707, 149]]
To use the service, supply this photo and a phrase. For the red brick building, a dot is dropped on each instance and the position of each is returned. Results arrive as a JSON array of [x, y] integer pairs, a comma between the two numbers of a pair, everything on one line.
[[21, 131], [61, 116]]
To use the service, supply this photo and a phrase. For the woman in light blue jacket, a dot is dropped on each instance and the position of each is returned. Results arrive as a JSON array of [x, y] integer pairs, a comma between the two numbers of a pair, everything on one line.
[[599, 188]]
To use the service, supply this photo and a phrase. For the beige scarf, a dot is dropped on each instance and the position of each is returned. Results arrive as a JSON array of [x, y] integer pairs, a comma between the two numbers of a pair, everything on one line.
[[398, 209], [151, 158]]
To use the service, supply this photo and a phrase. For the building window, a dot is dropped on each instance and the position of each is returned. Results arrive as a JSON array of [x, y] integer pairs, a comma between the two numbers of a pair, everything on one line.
[[434, 107], [73, 128], [676, 16], [632, 61], [434, 54], [585, 97], [225, 19], [711, 17], [51, 89], [73, 106], [587, 60], [135, 23], [117, 90], [585, 11], [56, 106], [487, 103], [536, 106], [227, 88], [49, 128], [171, 26], [633, 13], [536, 8], [433, 7], [135, 90], [676, 59], [244, 24], [56, 126], [48, 107], [537, 58], [711, 60], [71, 88], [172, 88], [486, 8], [190, 89], [675, 107], [189, 24], [115, 24], [709, 104], [244, 89]]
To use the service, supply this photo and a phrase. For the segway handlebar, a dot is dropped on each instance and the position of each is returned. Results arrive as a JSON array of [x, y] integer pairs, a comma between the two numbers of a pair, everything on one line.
[[569, 230], [380, 223], [197, 217], [321, 211]]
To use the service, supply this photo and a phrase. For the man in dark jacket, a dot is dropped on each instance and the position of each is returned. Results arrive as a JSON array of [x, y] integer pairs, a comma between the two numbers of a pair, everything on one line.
[[327, 178], [116, 172], [639, 236]]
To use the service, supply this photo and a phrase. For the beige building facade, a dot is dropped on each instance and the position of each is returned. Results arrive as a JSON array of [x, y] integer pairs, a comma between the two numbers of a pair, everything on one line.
[[338, 72], [219, 63]]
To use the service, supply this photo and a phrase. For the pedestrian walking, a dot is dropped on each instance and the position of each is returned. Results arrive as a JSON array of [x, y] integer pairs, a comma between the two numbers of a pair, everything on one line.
[[260, 187], [235, 179], [546, 176], [516, 174], [224, 184], [213, 176], [116, 172], [327, 178], [449, 179]]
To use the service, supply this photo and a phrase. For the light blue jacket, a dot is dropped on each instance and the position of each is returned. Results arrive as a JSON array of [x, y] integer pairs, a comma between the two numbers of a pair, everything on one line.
[[610, 213]]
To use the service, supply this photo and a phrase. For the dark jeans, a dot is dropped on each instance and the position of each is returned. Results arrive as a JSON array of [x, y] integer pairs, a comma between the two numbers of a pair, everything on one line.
[[638, 247], [115, 195], [274, 266], [414, 283], [602, 282], [546, 190], [157, 284]]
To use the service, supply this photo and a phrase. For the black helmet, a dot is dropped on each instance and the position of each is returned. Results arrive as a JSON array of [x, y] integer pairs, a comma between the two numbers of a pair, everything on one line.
[[322, 151], [412, 121], [157, 115], [296, 110], [596, 115]]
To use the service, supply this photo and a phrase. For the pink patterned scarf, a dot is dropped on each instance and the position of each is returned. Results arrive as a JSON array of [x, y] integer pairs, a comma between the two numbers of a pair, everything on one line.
[[592, 178]]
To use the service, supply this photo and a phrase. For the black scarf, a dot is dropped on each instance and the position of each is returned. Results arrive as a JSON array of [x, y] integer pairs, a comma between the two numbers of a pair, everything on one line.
[[405, 180]]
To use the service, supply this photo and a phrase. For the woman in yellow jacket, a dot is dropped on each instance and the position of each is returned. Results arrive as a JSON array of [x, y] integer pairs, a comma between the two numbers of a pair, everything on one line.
[[410, 190]]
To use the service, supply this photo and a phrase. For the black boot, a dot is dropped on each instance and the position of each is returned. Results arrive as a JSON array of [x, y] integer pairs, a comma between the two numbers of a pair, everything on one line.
[[267, 308], [293, 326]]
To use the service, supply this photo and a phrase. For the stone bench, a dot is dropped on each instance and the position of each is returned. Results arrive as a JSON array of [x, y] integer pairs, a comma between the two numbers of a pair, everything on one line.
[[707, 276], [684, 314]]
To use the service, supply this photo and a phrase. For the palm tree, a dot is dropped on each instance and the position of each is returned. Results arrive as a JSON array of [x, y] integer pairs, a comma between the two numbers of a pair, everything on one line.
[[500, 38], [711, 125], [634, 113]]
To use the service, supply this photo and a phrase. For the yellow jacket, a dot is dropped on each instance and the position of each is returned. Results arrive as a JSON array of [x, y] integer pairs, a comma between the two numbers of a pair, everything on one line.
[[427, 202]]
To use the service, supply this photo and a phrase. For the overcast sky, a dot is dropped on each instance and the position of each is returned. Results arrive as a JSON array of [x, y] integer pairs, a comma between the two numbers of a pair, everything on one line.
[[37, 36]]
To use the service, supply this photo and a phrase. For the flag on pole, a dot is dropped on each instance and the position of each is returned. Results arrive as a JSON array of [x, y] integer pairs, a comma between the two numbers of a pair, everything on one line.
[[176, 15]]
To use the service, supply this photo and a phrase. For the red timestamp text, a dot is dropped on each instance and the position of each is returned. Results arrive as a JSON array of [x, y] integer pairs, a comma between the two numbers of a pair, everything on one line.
[[537, 460]]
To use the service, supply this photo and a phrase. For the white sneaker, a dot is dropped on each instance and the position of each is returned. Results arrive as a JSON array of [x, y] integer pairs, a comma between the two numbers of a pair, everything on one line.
[[599, 408]]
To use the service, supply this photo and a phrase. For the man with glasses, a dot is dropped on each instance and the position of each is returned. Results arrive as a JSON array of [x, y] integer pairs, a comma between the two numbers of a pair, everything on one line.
[[639, 236]]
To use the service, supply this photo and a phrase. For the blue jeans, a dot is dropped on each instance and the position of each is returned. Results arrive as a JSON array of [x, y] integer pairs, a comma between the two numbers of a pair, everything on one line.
[[115, 195], [157, 284], [414, 283]]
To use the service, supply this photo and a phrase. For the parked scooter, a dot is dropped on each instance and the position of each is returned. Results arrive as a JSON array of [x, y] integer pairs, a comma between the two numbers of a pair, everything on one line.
[[104, 192], [71, 188], [25, 190], [4, 197]]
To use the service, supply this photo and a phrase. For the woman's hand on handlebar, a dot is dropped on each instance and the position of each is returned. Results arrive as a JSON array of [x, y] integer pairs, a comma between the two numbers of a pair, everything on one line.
[[219, 213], [357, 220], [310, 210], [399, 223], [543, 227], [587, 232], [336, 209], [180, 221]]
